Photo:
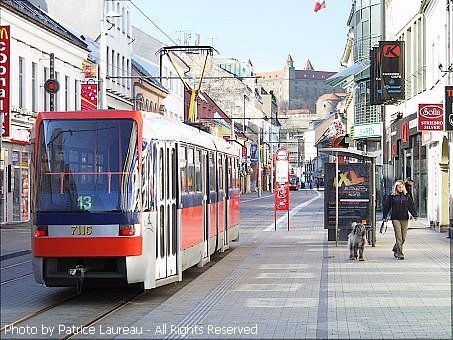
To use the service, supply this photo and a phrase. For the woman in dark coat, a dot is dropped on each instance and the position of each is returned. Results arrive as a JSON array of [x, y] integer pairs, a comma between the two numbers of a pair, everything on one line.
[[399, 204]]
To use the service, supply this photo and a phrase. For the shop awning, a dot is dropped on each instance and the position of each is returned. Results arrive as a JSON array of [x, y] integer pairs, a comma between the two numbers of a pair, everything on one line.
[[346, 75]]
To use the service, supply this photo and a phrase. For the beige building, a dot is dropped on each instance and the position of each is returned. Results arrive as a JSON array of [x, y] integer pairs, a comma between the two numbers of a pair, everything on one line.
[[296, 89]]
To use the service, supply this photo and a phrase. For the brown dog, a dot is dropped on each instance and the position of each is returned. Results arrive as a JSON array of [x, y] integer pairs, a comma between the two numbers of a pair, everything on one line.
[[356, 241]]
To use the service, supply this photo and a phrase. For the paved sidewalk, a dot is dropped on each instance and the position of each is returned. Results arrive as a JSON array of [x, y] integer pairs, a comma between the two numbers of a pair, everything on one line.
[[298, 285]]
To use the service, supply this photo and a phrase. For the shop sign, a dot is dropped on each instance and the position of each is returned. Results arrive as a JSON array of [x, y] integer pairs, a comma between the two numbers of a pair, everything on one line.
[[253, 153], [4, 78], [89, 96], [430, 117], [367, 130], [391, 71], [89, 70], [448, 108]]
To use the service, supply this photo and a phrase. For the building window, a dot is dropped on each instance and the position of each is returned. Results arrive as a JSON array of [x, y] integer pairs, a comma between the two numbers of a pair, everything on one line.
[[109, 71], [66, 93], [123, 20], [34, 87], [21, 82], [128, 23], [123, 68], [118, 72], [113, 71], [56, 103], [128, 80], [76, 94], [46, 95]]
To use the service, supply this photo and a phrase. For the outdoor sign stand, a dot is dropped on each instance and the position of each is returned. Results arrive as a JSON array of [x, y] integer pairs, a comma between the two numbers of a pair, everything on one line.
[[281, 192]]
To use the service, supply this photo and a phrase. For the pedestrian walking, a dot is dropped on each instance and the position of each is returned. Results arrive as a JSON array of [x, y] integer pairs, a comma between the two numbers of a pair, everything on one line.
[[399, 204]]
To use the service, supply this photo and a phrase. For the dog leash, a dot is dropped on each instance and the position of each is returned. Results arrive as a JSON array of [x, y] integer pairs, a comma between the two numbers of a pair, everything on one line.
[[383, 227]]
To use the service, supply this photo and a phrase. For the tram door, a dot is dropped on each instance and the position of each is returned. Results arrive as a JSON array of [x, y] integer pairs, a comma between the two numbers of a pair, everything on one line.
[[166, 233], [222, 196]]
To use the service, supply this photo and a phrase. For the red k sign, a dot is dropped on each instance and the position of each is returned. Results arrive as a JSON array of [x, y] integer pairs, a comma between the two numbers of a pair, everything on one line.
[[4, 78], [391, 51], [430, 117]]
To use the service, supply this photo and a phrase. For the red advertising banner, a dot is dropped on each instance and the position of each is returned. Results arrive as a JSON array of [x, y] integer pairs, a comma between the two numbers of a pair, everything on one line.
[[89, 97], [281, 194], [5, 39], [430, 117]]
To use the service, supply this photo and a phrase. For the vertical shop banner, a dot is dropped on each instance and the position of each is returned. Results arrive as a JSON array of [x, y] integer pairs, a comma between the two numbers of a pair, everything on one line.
[[5, 39], [430, 117], [89, 96], [354, 194], [391, 61], [448, 108], [281, 193]]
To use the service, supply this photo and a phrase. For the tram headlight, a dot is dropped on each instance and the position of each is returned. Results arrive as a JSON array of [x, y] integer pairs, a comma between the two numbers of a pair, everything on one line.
[[41, 231], [127, 230]]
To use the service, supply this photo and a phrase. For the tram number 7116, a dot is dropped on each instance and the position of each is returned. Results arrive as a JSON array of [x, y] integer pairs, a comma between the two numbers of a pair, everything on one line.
[[81, 230]]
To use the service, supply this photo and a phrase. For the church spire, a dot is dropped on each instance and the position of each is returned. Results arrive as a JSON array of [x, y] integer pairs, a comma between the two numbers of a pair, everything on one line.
[[289, 62], [308, 66]]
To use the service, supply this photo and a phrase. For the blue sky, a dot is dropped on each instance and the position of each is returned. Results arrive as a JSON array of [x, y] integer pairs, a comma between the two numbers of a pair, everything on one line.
[[264, 31]]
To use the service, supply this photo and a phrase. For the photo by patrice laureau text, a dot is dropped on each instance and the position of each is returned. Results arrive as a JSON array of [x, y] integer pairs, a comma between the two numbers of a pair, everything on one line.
[[160, 330]]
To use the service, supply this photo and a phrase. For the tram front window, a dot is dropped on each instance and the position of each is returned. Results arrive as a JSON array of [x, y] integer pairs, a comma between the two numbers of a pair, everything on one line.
[[86, 165]]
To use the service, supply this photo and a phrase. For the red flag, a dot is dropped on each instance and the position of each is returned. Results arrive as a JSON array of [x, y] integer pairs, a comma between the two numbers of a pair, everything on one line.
[[319, 5]]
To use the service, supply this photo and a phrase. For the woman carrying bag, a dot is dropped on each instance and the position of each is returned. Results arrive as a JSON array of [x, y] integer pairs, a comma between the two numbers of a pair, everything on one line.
[[399, 204]]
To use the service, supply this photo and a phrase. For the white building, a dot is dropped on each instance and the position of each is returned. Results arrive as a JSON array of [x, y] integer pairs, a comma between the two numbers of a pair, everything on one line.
[[147, 49], [33, 37], [90, 18], [426, 28]]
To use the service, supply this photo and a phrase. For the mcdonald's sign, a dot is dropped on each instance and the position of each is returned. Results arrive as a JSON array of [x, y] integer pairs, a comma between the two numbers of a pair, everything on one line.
[[4, 78]]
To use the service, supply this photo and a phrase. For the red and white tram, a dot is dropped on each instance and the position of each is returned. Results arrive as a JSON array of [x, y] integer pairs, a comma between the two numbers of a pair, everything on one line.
[[129, 197]]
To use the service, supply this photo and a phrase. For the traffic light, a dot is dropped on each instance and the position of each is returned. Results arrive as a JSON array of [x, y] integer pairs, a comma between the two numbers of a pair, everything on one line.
[[51, 86]]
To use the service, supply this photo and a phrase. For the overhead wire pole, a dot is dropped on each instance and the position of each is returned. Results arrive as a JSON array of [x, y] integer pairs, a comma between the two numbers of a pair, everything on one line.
[[194, 92]]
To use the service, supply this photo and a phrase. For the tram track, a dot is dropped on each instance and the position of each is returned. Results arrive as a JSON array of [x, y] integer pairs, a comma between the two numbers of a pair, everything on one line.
[[34, 314], [72, 314], [15, 279]]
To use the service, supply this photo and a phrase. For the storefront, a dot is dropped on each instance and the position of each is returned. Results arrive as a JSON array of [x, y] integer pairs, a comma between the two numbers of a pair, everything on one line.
[[15, 178], [408, 158]]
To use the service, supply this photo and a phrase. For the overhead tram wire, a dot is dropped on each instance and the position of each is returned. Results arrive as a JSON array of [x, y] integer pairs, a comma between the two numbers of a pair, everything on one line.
[[150, 20], [161, 30]]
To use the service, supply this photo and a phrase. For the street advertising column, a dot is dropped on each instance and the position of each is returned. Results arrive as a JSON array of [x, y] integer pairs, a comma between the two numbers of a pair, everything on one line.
[[281, 192], [354, 197]]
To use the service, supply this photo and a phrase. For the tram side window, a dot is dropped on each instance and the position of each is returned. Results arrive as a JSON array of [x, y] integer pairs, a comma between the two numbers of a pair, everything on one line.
[[221, 177], [233, 173], [183, 168], [147, 180], [198, 171], [162, 173], [190, 170], [173, 173], [211, 172], [230, 178], [238, 181]]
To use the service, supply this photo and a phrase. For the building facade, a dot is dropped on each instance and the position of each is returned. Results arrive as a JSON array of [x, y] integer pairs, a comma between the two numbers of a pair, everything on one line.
[[109, 24], [33, 37], [426, 28], [296, 89]]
